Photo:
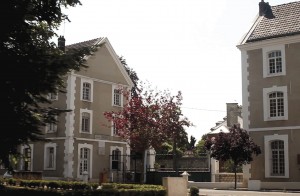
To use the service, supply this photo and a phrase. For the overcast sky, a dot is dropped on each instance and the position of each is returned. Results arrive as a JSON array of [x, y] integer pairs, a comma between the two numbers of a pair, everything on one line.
[[180, 45]]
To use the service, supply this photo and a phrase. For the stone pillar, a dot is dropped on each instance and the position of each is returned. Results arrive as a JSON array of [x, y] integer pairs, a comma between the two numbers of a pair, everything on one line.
[[85, 176], [185, 176]]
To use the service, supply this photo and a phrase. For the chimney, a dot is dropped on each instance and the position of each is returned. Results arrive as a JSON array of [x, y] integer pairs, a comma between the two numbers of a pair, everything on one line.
[[61, 43], [233, 112], [265, 10]]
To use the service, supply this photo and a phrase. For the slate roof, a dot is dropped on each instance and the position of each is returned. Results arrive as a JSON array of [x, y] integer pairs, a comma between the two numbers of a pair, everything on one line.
[[87, 43], [285, 23]]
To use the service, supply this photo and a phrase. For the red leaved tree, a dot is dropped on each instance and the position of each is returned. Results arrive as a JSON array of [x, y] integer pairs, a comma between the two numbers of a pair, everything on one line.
[[236, 145], [148, 119]]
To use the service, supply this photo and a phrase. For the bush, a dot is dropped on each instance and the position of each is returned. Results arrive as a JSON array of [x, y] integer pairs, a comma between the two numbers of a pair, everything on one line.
[[194, 191]]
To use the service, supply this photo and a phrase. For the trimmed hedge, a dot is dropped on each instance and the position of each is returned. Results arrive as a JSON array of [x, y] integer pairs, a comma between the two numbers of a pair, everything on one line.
[[64, 188]]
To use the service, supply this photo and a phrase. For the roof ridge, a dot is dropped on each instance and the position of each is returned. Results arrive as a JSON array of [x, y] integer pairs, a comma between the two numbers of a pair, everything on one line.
[[82, 42]]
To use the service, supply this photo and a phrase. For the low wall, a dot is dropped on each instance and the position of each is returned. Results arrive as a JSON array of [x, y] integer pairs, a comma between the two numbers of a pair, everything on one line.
[[28, 175], [215, 185], [228, 177], [258, 185]]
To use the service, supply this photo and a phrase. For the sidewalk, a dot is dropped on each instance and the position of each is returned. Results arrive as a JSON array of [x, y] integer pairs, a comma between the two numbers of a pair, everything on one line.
[[245, 192]]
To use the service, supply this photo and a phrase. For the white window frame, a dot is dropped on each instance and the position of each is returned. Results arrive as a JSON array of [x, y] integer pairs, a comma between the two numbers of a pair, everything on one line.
[[267, 143], [115, 87], [266, 51], [266, 102], [47, 156], [90, 158], [51, 127], [90, 112], [114, 130], [113, 148], [22, 166], [52, 96], [83, 81]]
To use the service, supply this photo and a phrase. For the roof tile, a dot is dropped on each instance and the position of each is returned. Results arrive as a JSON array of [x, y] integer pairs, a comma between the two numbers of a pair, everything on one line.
[[87, 43], [285, 23]]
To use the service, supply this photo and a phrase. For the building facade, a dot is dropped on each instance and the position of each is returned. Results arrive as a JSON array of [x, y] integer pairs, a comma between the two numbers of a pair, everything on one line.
[[270, 55], [83, 144]]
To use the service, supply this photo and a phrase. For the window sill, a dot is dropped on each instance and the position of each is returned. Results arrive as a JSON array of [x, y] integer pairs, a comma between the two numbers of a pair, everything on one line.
[[276, 118], [85, 100], [277, 177], [85, 132], [274, 75]]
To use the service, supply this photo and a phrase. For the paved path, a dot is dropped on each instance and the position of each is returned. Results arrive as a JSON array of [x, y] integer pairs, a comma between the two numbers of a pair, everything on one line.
[[213, 192]]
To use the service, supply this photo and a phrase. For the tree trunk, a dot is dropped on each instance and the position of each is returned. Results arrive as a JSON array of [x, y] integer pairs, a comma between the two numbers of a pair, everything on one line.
[[175, 167], [143, 169], [235, 178]]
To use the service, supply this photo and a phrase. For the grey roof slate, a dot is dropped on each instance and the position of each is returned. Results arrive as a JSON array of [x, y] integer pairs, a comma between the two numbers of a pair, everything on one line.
[[87, 43], [285, 23]]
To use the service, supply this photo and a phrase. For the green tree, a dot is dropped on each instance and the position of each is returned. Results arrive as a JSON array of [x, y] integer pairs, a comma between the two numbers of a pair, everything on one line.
[[200, 146], [236, 145], [191, 143], [133, 76], [35, 67]]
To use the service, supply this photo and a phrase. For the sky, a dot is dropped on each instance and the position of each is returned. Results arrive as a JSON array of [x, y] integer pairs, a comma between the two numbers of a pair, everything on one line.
[[176, 45]]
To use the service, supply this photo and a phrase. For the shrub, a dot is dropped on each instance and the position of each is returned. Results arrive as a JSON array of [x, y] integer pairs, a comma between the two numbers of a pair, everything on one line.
[[194, 191]]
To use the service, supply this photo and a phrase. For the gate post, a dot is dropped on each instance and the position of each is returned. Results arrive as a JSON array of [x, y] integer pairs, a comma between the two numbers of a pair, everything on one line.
[[185, 176]]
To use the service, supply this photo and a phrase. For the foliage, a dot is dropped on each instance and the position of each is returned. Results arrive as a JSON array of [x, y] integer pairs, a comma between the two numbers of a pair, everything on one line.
[[36, 67], [132, 74], [194, 191], [236, 145], [106, 190], [149, 119], [228, 166], [191, 143], [200, 146]]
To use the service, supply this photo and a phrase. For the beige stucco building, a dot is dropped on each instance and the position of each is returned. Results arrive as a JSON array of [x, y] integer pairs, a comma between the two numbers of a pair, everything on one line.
[[270, 57], [83, 143]]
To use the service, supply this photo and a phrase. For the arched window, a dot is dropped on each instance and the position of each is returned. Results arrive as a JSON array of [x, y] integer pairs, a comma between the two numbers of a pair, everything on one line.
[[276, 104], [276, 156], [275, 62], [275, 100]]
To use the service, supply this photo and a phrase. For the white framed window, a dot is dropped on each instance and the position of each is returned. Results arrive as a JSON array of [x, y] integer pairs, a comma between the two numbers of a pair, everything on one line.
[[116, 158], [117, 97], [85, 157], [276, 156], [114, 130], [275, 103], [274, 61], [52, 96], [51, 127], [86, 90], [86, 117], [27, 155], [50, 156]]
